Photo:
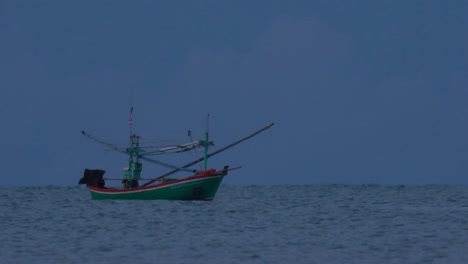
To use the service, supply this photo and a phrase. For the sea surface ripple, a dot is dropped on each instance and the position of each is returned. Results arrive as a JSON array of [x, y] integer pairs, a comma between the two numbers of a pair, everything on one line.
[[243, 224]]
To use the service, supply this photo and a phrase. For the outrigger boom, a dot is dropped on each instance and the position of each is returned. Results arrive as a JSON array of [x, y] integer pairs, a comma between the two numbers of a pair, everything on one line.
[[202, 185], [211, 154]]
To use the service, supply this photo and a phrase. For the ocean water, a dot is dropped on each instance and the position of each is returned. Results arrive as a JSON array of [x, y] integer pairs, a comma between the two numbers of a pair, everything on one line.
[[244, 224]]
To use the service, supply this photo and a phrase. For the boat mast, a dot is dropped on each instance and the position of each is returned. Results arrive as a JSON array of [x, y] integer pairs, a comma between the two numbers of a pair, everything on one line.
[[205, 156], [133, 172]]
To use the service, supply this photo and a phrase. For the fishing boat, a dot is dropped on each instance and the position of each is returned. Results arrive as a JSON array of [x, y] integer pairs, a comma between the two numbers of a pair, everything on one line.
[[199, 185]]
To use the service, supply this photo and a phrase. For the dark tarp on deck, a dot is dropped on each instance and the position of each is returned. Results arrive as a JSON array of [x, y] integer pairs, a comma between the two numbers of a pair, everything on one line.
[[93, 178]]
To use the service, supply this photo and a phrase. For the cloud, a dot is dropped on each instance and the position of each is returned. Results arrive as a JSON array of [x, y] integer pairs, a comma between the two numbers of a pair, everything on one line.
[[332, 117], [290, 74], [280, 70]]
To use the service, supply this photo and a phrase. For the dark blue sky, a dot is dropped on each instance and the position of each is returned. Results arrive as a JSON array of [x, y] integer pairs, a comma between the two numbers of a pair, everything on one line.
[[360, 91]]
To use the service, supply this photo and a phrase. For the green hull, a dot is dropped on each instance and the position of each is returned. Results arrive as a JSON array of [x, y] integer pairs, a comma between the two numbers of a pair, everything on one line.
[[191, 188]]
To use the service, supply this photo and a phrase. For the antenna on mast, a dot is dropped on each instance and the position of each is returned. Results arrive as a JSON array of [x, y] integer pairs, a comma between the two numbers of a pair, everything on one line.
[[207, 122], [130, 120]]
